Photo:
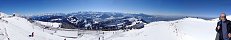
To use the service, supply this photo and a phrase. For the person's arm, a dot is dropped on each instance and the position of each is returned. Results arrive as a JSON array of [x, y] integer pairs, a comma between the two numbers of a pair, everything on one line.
[[229, 31], [218, 27]]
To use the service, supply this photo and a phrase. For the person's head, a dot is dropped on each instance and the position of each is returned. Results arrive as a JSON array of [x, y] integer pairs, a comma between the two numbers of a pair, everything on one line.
[[222, 17]]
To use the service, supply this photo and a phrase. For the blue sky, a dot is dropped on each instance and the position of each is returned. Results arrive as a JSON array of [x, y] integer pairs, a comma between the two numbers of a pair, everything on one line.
[[205, 8]]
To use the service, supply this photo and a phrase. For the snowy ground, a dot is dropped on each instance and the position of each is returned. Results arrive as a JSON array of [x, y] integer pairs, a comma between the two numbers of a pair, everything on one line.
[[17, 28], [184, 29]]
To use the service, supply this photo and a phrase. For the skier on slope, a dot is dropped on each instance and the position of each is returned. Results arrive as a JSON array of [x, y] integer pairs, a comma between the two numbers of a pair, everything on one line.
[[32, 34]]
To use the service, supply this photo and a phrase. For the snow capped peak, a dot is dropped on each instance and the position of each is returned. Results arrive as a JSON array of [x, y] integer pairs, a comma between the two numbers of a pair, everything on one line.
[[3, 14]]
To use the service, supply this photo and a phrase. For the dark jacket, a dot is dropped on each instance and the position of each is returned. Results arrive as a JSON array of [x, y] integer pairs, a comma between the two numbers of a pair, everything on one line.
[[219, 35]]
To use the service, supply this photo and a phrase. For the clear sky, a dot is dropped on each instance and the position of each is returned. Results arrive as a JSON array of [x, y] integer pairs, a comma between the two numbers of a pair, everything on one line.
[[206, 8]]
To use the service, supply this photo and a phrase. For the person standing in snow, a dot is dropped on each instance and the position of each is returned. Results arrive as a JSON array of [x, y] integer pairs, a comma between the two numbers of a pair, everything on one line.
[[223, 28], [65, 39], [32, 34]]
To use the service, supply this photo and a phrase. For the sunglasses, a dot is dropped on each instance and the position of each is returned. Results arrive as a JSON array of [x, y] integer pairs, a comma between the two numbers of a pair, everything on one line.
[[222, 16]]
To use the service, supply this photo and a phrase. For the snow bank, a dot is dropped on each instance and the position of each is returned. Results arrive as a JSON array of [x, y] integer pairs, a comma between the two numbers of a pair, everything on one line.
[[183, 29]]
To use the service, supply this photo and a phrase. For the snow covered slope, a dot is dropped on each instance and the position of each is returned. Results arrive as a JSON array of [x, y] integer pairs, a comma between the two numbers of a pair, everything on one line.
[[17, 28], [184, 29]]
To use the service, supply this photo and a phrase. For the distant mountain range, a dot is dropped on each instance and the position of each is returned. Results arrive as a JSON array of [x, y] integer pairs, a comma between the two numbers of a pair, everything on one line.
[[104, 20]]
